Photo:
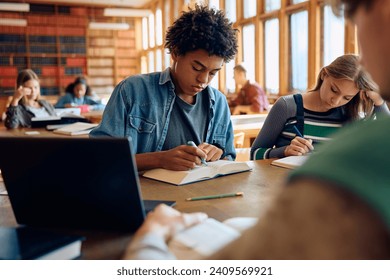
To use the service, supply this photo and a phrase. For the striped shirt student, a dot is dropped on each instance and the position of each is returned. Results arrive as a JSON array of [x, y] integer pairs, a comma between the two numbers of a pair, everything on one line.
[[342, 90]]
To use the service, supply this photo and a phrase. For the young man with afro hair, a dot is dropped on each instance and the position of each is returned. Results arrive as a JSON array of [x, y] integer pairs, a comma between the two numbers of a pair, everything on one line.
[[162, 111]]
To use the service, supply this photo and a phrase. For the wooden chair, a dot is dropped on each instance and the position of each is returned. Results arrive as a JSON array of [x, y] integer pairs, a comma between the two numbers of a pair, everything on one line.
[[239, 138]]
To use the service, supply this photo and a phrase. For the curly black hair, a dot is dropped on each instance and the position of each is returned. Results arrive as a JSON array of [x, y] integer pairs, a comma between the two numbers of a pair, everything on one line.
[[202, 28]]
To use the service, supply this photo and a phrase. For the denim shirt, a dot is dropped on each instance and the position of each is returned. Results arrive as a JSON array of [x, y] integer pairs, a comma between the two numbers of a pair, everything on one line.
[[140, 108]]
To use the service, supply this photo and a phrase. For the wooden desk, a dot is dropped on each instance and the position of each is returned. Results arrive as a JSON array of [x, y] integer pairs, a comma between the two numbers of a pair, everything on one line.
[[94, 116], [259, 187], [21, 132]]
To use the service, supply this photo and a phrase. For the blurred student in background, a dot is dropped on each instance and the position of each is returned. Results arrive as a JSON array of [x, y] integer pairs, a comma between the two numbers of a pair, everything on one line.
[[26, 102], [251, 98], [77, 96], [344, 92]]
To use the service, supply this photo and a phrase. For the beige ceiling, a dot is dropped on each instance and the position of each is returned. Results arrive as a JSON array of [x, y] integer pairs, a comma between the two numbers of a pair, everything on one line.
[[101, 3]]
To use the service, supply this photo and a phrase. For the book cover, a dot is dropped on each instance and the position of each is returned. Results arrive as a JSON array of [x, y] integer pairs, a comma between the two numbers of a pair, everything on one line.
[[78, 128], [212, 170], [290, 162], [27, 243]]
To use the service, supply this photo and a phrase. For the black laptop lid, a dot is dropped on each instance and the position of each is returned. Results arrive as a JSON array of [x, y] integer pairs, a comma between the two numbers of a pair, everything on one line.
[[85, 183]]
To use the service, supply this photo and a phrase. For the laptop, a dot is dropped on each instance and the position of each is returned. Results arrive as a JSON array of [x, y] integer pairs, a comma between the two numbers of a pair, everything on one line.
[[78, 183]]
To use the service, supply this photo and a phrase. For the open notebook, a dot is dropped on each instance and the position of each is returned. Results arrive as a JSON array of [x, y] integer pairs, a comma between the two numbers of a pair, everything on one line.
[[290, 162], [199, 173], [206, 238]]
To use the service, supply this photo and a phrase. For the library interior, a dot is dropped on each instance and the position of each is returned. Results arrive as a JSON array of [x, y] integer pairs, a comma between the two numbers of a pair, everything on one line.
[[92, 61]]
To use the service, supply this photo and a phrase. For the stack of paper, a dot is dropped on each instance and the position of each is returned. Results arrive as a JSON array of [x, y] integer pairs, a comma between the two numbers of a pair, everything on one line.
[[78, 128]]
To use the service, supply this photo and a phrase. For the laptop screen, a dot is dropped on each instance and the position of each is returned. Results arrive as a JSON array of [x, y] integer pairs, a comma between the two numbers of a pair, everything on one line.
[[86, 183]]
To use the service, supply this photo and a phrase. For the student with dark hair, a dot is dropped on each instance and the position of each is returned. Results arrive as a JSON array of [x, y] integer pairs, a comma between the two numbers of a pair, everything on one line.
[[76, 96], [26, 102], [344, 92], [337, 205], [162, 111], [250, 98]]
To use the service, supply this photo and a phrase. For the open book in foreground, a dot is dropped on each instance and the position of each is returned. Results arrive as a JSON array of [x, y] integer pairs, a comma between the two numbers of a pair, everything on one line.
[[212, 170], [290, 162], [78, 128], [206, 238]]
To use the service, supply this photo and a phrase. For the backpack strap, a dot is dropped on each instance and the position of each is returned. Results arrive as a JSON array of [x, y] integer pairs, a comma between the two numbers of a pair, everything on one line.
[[300, 112]]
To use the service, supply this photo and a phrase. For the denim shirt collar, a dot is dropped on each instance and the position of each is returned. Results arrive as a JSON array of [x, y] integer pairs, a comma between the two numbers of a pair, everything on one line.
[[165, 77]]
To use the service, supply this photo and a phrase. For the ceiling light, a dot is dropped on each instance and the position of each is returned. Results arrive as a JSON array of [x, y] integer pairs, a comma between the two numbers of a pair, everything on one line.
[[13, 22], [109, 25], [112, 12], [15, 7]]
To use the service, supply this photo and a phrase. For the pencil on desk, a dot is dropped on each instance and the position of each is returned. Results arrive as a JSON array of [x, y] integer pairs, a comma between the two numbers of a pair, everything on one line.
[[215, 196]]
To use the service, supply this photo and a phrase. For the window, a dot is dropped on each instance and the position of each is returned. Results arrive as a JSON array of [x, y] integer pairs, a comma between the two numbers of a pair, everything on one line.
[[248, 47], [215, 81], [150, 61], [229, 78], [230, 10], [298, 1], [214, 4], [249, 8], [333, 45], [175, 9], [167, 58], [144, 65], [271, 42], [158, 60], [152, 41], [159, 35], [299, 51], [145, 33], [271, 5], [167, 14]]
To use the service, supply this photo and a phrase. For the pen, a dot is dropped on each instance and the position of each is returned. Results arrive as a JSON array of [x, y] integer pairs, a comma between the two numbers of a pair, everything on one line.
[[300, 135], [192, 144], [297, 131], [215, 196]]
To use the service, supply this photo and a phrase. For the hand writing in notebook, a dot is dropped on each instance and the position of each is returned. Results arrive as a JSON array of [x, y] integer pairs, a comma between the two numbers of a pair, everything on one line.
[[299, 146], [192, 144]]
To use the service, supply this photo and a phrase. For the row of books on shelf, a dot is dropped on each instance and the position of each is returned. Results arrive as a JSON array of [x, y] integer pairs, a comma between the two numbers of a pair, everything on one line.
[[15, 38]]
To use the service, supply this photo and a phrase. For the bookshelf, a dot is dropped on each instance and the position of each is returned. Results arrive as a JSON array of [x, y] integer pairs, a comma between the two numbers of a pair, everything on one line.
[[111, 58], [126, 55], [101, 57], [58, 46]]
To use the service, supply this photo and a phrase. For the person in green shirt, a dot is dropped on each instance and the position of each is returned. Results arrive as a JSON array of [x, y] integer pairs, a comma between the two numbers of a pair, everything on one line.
[[337, 205]]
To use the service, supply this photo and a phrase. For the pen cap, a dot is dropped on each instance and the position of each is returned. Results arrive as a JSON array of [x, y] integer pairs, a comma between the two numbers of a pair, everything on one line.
[[191, 143]]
